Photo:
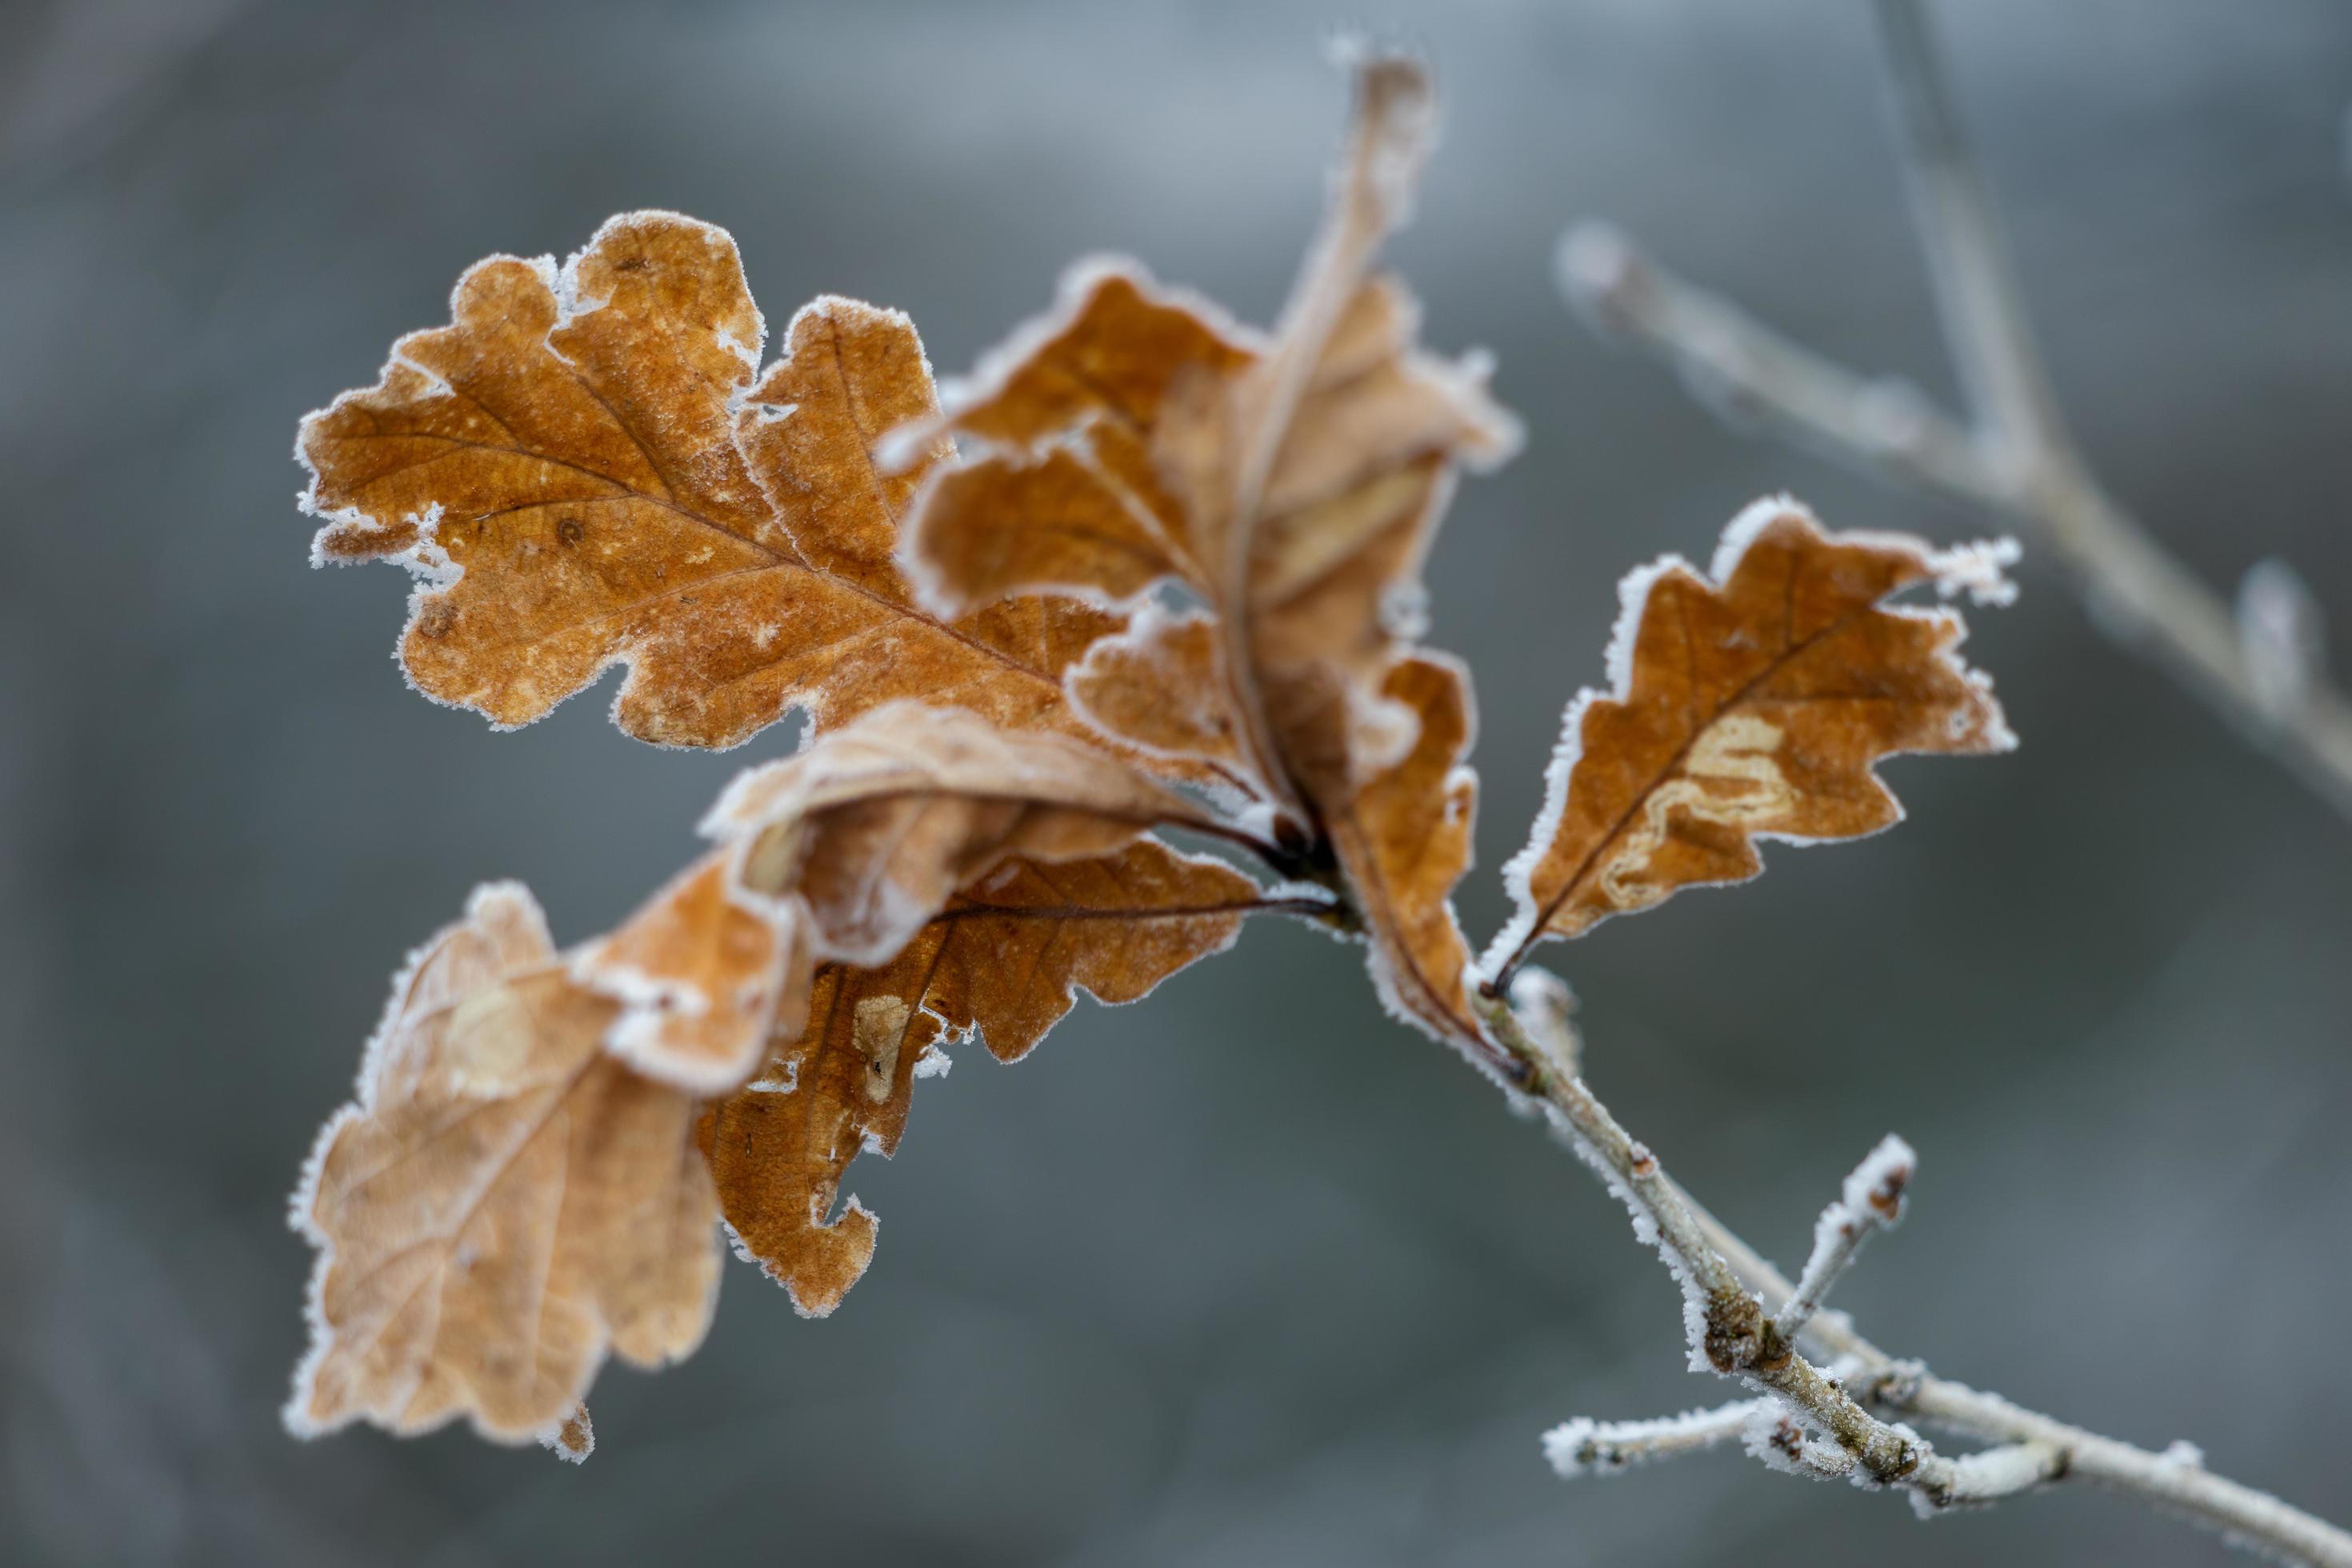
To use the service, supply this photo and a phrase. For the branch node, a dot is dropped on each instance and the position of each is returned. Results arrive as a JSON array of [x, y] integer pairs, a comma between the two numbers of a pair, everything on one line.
[[1785, 1443], [1896, 1384], [1735, 1330]]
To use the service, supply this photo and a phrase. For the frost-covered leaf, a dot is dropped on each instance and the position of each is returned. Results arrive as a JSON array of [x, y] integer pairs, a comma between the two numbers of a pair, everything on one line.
[[1159, 686], [1291, 482], [864, 835], [585, 468], [519, 1186], [701, 973], [1070, 496], [842, 853], [1406, 838], [1005, 960], [1753, 703], [502, 1205]]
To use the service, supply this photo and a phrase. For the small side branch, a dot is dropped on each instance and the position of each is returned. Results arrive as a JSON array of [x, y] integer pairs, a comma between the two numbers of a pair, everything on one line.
[[1996, 1473], [1585, 1448], [1872, 1202], [2012, 457], [1829, 1423]]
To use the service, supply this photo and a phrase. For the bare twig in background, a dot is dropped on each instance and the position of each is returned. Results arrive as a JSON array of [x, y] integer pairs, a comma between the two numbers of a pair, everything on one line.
[[2013, 456], [1825, 1422]]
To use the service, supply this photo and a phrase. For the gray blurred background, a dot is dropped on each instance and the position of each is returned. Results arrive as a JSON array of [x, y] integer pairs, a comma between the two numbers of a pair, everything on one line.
[[1244, 1274]]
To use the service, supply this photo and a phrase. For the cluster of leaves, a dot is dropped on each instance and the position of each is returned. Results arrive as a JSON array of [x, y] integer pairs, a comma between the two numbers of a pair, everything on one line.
[[1146, 571]]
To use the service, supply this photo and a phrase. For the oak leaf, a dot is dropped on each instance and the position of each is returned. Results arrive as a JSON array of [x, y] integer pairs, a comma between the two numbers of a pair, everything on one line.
[[502, 1205], [1159, 687], [1004, 962], [1069, 497], [1408, 832], [868, 833], [1292, 482], [841, 854], [701, 975], [1750, 703], [586, 467]]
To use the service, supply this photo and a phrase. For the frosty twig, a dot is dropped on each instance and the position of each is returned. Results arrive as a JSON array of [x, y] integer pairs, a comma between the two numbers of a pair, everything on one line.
[[1821, 1421], [1871, 1202], [2012, 455], [1583, 1446]]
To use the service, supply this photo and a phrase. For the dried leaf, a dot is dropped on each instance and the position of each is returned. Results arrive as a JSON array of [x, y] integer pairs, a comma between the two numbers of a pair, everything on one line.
[[519, 1185], [1108, 356], [1063, 522], [1070, 409], [1006, 961], [1294, 484], [1749, 706], [582, 471], [866, 833], [1407, 833], [1337, 535], [502, 1205], [701, 975], [1159, 687], [842, 853]]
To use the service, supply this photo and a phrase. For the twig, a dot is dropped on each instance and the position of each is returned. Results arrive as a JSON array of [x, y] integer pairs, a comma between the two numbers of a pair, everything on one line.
[[1544, 999], [2013, 456], [1871, 1202], [1587, 1448], [1830, 1431]]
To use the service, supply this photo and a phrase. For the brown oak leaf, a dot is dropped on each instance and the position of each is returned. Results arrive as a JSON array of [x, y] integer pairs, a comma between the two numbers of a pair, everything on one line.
[[503, 1204], [701, 975], [841, 854], [864, 835], [1004, 961], [1293, 483], [1159, 687], [586, 469], [1070, 496], [1409, 829], [1752, 704]]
